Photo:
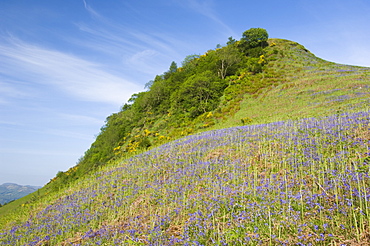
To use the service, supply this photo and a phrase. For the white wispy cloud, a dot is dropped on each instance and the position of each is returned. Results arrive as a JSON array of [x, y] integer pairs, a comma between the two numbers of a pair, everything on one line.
[[91, 10], [69, 134], [205, 8], [12, 89], [81, 78], [115, 39], [7, 91], [146, 61], [36, 152], [143, 49], [107, 38], [78, 119], [10, 123]]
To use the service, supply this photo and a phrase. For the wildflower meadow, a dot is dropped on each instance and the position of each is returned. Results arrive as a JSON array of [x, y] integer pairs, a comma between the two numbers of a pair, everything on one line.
[[301, 182]]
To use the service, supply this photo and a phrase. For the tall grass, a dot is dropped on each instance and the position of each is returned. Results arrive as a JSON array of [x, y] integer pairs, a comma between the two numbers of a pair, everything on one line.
[[303, 182]]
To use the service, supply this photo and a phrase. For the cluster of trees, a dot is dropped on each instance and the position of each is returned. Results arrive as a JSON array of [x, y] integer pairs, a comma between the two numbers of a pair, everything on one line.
[[177, 97]]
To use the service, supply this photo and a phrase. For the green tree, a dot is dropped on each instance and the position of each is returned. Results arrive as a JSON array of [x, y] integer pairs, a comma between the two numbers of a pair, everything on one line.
[[154, 97], [200, 93], [231, 41], [190, 62], [173, 67], [171, 70], [228, 56], [255, 37]]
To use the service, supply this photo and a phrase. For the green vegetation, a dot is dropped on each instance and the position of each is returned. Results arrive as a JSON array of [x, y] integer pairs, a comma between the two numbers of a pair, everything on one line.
[[181, 101], [289, 166], [253, 41]]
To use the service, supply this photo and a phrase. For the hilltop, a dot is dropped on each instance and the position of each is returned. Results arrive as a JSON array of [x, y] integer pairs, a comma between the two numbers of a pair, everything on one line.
[[237, 84], [275, 154]]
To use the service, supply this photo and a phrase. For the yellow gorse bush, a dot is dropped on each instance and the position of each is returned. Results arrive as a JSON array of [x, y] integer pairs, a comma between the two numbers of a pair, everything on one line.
[[261, 60], [146, 132]]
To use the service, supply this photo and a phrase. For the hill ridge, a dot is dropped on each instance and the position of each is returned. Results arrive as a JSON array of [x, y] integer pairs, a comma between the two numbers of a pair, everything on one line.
[[147, 130]]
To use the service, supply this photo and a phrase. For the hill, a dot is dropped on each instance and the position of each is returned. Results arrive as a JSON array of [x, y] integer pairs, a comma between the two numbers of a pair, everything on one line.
[[280, 183], [225, 87], [10, 191], [280, 157]]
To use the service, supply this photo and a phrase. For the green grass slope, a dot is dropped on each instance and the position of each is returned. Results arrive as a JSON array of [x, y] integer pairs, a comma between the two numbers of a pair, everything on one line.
[[286, 82], [288, 165], [307, 87]]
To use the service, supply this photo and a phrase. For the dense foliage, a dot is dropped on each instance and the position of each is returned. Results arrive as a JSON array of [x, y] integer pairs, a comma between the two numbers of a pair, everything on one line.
[[253, 41], [180, 101]]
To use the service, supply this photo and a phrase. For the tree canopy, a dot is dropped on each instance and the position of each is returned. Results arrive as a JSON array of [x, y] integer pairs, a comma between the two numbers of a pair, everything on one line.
[[255, 37]]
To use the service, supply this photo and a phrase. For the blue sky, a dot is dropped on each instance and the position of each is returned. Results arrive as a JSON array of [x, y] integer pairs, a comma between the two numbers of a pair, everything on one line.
[[67, 65]]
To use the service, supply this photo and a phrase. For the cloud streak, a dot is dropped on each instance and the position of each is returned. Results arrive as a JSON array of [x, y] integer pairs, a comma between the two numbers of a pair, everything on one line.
[[69, 134], [115, 40], [91, 11], [204, 7], [80, 78], [78, 119], [147, 50], [36, 152], [8, 91]]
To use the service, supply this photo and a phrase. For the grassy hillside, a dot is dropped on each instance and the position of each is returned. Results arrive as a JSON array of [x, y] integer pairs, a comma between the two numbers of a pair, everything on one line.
[[278, 82], [289, 164], [307, 87], [280, 183]]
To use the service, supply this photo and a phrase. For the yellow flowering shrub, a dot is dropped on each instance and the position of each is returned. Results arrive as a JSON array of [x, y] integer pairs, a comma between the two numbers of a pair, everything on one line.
[[262, 60], [146, 132]]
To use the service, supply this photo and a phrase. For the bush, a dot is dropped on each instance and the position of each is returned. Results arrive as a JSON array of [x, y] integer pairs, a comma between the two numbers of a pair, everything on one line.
[[246, 121], [253, 41]]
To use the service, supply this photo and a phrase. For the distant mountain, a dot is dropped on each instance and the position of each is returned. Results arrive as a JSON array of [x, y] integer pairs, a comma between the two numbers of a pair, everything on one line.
[[10, 191]]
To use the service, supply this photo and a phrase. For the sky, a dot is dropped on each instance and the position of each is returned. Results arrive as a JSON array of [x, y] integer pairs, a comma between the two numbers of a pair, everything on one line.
[[65, 66]]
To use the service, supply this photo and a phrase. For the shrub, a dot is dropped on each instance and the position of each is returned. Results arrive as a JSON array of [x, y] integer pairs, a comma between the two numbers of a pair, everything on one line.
[[246, 121]]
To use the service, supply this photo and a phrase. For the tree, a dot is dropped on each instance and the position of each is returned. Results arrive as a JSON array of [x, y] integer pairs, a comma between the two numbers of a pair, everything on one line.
[[171, 70], [253, 42], [173, 67], [156, 94], [231, 41], [189, 62], [228, 56], [255, 37], [200, 93], [148, 84]]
